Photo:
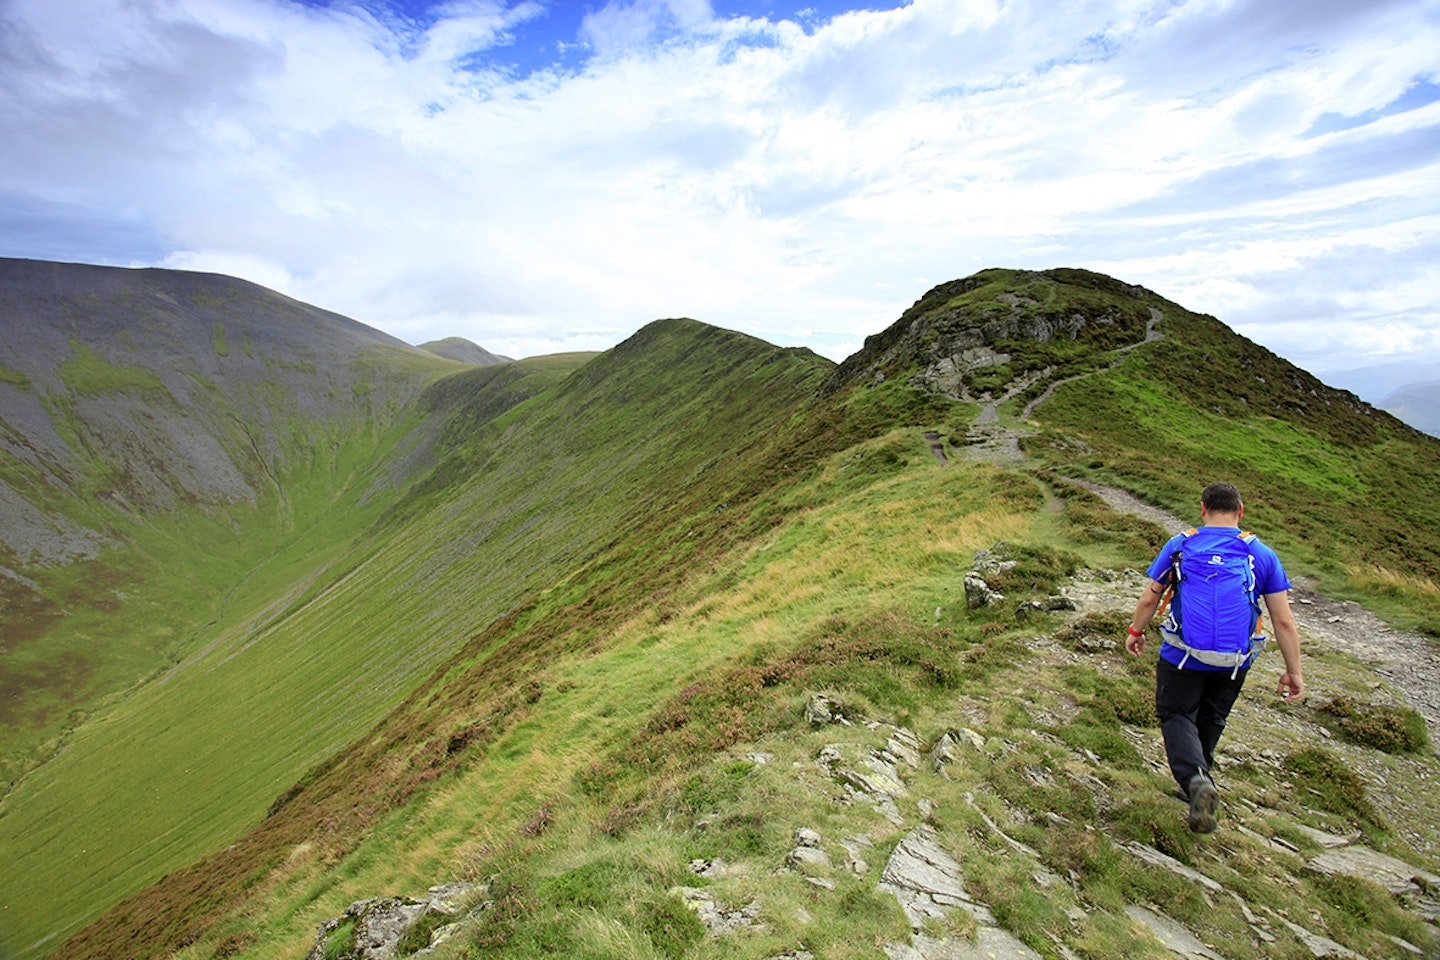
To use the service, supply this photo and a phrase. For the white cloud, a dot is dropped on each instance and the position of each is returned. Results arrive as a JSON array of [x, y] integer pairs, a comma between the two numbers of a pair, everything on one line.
[[792, 182]]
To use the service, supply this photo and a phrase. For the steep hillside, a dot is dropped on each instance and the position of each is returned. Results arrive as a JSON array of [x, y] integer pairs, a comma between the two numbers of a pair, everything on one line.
[[149, 389], [163, 436], [683, 655], [1177, 399]]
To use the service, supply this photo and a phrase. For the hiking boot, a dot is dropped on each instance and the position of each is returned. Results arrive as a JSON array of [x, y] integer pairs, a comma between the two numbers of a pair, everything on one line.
[[1204, 799]]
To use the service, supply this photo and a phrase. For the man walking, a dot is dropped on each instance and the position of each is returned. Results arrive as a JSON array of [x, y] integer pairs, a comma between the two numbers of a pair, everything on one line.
[[1211, 636]]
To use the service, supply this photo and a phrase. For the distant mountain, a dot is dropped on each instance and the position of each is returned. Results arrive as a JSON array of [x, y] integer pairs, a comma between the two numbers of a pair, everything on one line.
[[1375, 382], [458, 348], [147, 389], [1417, 404], [1404, 389]]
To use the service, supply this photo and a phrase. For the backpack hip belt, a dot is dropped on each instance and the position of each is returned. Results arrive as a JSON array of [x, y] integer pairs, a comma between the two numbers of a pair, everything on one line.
[[1214, 658]]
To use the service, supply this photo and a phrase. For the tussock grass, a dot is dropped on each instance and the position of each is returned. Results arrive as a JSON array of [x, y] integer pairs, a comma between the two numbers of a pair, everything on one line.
[[1382, 726]]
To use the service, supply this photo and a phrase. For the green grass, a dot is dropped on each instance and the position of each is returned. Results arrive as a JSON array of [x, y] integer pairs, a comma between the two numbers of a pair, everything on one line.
[[88, 374], [677, 782], [552, 664], [227, 717]]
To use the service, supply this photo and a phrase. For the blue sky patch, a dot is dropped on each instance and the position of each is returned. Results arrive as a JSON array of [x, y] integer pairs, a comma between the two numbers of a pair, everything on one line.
[[1420, 94], [553, 39]]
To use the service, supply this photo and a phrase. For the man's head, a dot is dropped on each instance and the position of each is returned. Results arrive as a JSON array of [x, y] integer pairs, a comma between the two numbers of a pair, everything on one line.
[[1221, 498]]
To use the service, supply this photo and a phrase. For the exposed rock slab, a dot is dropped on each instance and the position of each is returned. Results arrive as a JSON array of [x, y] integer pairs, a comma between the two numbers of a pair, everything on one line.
[[1151, 855], [1395, 875], [1177, 939], [1319, 946], [926, 880], [990, 943]]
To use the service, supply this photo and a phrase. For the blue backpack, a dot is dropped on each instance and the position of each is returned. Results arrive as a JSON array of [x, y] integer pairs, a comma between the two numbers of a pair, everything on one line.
[[1214, 607]]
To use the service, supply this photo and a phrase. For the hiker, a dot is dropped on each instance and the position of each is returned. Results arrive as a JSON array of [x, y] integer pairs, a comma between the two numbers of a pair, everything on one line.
[[1216, 576]]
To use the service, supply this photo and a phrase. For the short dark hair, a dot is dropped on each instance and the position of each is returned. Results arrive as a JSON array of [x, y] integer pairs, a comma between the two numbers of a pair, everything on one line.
[[1221, 498]]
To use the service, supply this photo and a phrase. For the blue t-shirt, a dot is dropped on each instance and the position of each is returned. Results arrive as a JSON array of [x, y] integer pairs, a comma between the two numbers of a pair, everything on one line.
[[1269, 576]]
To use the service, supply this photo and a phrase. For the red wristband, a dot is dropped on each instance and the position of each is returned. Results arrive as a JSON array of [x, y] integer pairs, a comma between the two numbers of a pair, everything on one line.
[[1130, 629]]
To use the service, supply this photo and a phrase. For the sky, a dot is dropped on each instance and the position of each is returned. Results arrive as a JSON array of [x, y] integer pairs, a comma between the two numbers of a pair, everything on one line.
[[541, 176]]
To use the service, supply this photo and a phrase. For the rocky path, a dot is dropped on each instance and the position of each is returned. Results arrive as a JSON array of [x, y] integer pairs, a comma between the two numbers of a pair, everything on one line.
[[1407, 661], [989, 440]]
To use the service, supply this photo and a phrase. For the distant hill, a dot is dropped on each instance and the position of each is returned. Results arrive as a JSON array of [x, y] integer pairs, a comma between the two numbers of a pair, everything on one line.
[[1417, 404], [1400, 388], [458, 348], [1374, 382], [146, 389], [672, 651]]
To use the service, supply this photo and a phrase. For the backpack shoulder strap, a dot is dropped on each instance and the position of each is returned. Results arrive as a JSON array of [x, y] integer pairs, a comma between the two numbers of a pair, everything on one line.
[[1174, 579], [1252, 584], [1175, 556]]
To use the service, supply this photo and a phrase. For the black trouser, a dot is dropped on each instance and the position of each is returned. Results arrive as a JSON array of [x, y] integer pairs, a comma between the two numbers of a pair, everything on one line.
[[1192, 706]]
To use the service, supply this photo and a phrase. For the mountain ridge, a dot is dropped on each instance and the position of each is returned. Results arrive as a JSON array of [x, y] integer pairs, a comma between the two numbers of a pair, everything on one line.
[[333, 602], [768, 531]]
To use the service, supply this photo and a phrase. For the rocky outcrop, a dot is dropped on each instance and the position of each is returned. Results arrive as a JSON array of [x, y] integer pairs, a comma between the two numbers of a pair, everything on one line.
[[376, 929], [991, 565], [961, 327], [720, 918]]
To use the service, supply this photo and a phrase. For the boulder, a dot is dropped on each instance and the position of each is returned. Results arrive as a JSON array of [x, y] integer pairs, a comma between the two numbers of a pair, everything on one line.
[[379, 924]]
